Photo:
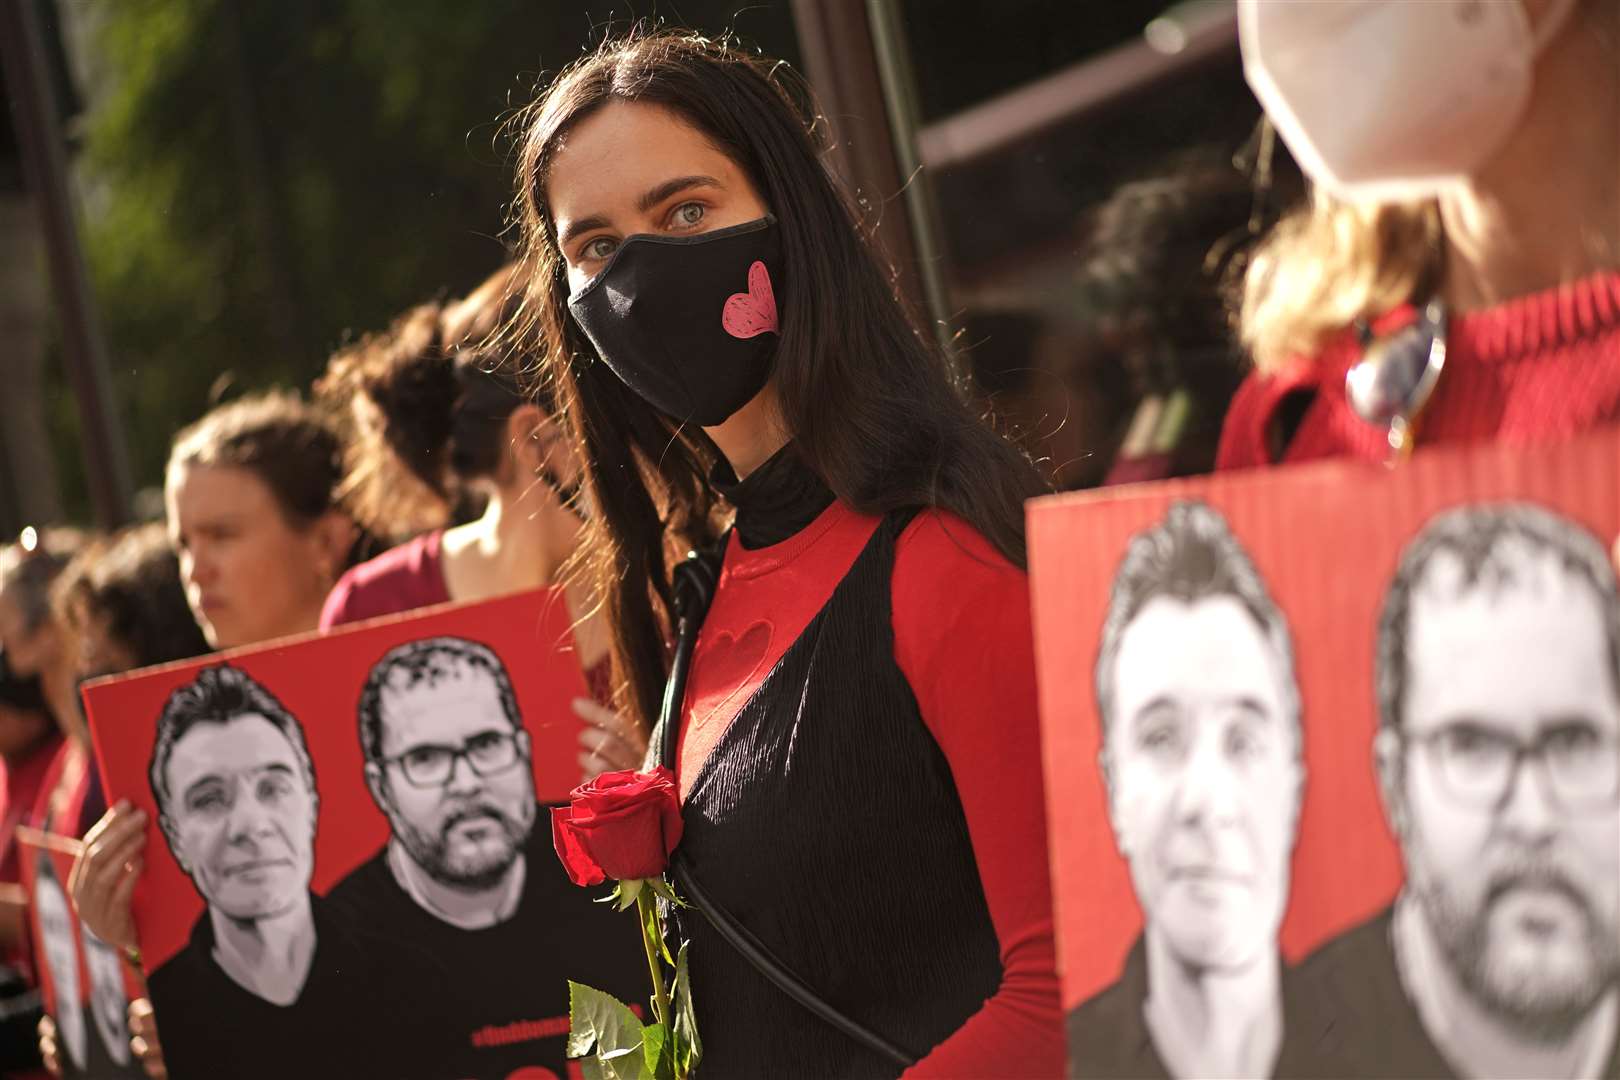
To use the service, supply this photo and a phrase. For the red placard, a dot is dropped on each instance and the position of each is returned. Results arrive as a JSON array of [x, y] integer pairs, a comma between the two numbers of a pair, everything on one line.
[[1326, 540], [319, 678], [85, 983]]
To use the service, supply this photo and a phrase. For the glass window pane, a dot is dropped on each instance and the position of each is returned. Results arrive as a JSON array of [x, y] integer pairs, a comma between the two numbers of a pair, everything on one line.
[[1091, 170]]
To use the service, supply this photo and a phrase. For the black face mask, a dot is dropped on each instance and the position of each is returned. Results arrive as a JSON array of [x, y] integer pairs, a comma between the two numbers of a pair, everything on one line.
[[689, 322]]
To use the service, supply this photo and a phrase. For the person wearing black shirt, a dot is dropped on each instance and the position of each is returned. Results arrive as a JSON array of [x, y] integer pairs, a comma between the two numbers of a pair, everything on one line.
[[464, 877], [350, 1018], [1109, 1034]]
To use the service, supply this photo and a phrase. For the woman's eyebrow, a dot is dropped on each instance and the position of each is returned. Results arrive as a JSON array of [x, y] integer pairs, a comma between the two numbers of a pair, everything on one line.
[[583, 225], [649, 199], [670, 187]]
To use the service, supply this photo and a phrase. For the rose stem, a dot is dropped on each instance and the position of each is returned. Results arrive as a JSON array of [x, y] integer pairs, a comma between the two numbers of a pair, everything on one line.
[[646, 902]]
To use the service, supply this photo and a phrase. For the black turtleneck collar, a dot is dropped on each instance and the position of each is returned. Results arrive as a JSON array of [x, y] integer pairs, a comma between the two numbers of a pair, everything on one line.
[[777, 499]]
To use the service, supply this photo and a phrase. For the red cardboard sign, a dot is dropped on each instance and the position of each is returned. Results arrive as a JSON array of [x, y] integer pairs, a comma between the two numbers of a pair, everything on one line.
[[84, 981], [1188, 792], [319, 678], [348, 868]]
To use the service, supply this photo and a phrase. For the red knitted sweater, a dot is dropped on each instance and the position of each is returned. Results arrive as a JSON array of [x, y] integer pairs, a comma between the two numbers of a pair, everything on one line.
[[1535, 369]]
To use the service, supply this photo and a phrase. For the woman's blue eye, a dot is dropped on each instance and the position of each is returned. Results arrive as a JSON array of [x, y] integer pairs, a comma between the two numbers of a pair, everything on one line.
[[600, 248], [688, 213]]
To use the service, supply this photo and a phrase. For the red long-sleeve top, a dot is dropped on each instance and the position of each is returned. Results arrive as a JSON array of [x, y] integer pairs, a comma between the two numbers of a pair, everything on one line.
[[962, 638], [1535, 369]]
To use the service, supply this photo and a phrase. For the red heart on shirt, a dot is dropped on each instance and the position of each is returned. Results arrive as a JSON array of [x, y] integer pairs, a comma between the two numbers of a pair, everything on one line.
[[751, 313], [728, 662]]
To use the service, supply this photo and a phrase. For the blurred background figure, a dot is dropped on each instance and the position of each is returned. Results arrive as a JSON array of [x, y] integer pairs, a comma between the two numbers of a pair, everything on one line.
[[36, 694], [35, 644], [1127, 378], [1456, 273], [122, 605], [255, 518], [28, 736], [36, 712], [448, 431], [441, 428]]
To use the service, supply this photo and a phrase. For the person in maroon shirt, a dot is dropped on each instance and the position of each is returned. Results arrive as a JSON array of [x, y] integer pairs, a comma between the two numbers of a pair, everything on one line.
[[440, 417], [856, 744], [1500, 244]]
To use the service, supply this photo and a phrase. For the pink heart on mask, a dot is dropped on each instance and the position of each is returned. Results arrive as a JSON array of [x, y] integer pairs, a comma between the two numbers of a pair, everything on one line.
[[752, 313]]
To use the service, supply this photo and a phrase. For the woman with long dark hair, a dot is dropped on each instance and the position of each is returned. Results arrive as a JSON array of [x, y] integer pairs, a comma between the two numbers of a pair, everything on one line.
[[854, 727]]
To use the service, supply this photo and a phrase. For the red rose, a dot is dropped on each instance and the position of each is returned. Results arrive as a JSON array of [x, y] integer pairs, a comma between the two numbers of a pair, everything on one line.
[[622, 825]]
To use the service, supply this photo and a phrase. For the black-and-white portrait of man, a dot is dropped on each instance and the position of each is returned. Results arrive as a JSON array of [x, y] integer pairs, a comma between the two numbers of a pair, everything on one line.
[[58, 936], [1201, 759], [447, 761], [465, 875], [269, 972], [1498, 757], [236, 798]]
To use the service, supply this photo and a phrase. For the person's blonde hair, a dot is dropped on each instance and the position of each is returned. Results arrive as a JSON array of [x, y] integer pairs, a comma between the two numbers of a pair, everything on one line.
[[1329, 263]]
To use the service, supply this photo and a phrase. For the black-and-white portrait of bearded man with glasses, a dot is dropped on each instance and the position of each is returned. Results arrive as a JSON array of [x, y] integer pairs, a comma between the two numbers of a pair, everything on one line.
[[465, 876], [1498, 758]]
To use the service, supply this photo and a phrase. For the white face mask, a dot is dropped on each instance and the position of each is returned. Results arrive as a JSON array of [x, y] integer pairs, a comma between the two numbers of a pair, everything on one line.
[[1389, 100]]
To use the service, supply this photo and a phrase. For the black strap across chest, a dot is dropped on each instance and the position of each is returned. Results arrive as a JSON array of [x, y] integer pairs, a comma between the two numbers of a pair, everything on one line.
[[827, 849], [695, 582]]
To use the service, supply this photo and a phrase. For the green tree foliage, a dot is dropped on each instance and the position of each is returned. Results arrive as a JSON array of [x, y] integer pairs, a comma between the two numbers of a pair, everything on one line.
[[263, 178]]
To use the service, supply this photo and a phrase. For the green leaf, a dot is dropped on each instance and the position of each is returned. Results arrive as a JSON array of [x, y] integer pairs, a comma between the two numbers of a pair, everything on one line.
[[600, 1024], [662, 888], [658, 1052], [628, 890], [626, 1067], [688, 1047]]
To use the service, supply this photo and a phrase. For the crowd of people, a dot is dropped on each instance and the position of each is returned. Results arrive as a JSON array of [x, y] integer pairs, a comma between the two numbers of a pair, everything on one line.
[[696, 349]]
